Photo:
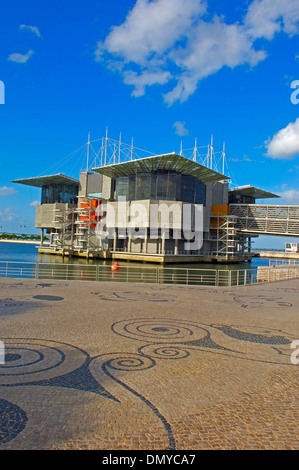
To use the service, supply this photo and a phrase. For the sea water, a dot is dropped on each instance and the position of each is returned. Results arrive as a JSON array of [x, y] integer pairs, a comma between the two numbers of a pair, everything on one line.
[[28, 253]]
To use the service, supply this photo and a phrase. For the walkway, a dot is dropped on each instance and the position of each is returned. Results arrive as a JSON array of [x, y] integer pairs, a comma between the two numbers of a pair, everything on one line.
[[118, 366], [266, 219]]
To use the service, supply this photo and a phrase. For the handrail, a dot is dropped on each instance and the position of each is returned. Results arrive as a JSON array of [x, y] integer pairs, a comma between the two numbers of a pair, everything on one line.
[[154, 274], [283, 262]]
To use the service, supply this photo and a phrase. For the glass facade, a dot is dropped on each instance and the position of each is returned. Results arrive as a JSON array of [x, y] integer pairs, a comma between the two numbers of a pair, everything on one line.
[[64, 193], [161, 185], [235, 198]]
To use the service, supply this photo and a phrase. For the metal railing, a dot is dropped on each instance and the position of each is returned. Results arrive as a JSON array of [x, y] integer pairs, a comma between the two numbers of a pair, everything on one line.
[[146, 274], [162, 253], [283, 262]]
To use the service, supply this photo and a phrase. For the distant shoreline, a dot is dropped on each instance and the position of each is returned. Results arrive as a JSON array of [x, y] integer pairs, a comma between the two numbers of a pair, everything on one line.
[[28, 242]]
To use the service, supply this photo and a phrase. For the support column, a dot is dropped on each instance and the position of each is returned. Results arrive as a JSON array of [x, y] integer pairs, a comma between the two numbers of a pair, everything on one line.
[[42, 237], [129, 240], [115, 239], [72, 231], [176, 246], [145, 241], [163, 242]]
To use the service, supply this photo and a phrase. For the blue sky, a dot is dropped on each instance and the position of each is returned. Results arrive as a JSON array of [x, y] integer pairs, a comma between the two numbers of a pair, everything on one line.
[[161, 71]]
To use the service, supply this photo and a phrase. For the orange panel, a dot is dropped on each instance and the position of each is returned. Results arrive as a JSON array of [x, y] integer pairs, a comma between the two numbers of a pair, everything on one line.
[[90, 204], [220, 209]]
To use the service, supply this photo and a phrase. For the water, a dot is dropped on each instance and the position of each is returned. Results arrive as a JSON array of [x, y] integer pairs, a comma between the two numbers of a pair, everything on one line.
[[56, 267], [27, 253], [20, 252]]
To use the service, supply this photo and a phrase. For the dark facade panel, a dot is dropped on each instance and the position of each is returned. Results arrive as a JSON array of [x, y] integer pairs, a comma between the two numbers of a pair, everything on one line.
[[237, 198], [161, 185], [59, 193]]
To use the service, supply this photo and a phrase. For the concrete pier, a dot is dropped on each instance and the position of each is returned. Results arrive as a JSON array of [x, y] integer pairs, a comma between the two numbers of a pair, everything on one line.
[[147, 257], [277, 254]]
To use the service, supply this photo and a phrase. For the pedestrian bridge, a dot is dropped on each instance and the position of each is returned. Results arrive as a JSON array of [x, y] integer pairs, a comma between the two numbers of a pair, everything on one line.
[[266, 219]]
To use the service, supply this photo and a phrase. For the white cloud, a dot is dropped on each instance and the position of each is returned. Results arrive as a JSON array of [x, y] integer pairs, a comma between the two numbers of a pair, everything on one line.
[[165, 41], [7, 215], [32, 29], [290, 195], [285, 143], [20, 58], [150, 29], [210, 47], [244, 159], [180, 128], [146, 78], [34, 203], [7, 191], [265, 18]]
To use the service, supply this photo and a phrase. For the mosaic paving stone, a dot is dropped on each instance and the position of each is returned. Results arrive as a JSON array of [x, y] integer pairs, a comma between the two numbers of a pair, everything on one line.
[[117, 366], [12, 421]]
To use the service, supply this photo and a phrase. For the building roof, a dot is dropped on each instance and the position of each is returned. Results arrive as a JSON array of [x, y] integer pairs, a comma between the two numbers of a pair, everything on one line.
[[170, 161], [252, 191], [40, 181]]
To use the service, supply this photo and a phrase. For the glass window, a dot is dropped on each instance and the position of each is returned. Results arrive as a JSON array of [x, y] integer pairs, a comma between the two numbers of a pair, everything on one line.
[[64, 193], [165, 185]]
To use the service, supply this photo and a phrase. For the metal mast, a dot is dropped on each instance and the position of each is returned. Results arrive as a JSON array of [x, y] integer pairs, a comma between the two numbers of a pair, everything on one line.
[[132, 148], [88, 145], [119, 147], [106, 140], [223, 158], [195, 150], [211, 153]]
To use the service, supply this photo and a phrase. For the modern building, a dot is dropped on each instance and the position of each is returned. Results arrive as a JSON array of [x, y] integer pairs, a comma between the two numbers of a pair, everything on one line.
[[164, 208]]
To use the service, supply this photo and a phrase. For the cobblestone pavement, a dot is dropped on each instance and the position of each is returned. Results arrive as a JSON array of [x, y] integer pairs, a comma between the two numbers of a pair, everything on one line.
[[92, 365]]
